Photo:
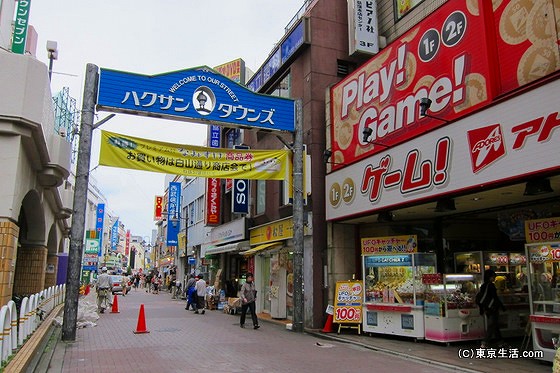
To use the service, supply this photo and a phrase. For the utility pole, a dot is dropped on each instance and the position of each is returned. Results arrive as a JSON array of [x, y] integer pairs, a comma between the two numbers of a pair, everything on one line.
[[80, 202], [298, 219]]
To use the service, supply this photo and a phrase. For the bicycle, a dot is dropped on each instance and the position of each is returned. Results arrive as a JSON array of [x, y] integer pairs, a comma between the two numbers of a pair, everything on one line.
[[103, 300]]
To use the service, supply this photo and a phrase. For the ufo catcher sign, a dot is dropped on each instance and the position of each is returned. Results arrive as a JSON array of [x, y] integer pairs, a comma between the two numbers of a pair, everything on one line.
[[348, 302]]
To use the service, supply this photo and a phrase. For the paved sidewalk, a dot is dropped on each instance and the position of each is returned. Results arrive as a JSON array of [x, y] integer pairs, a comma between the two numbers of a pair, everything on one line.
[[180, 341]]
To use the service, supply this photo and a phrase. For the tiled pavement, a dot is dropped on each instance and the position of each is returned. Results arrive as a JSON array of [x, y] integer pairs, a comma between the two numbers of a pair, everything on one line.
[[180, 341]]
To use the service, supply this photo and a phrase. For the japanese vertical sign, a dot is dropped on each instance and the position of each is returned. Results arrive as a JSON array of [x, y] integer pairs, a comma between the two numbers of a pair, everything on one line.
[[362, 26], [240, 192], [127, 243], [173, 208], [348, 302], [20, 26], [213, 185], [115, 235], [99, 226], [158, 208], [213, 195]]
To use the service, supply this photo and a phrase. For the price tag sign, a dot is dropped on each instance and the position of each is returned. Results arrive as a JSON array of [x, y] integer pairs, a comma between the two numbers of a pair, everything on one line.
[[348, 302]]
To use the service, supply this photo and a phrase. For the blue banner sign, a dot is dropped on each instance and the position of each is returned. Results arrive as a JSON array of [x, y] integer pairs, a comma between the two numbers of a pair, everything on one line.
[[198, 94], [279, 57], [115, 235], [388, 260], [99, 226], [173, 208], [292, 43]]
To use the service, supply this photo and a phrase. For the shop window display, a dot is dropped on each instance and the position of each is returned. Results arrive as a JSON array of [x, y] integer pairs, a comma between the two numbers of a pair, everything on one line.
[[450, 311]]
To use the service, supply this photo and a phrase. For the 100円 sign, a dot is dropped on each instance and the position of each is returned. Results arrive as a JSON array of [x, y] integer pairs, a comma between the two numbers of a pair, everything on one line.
[[348, 302]]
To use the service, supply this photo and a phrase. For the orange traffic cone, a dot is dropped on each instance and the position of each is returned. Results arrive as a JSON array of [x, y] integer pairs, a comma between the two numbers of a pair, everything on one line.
[[141, 326], [115, 308], [328, 328], [86, 292]]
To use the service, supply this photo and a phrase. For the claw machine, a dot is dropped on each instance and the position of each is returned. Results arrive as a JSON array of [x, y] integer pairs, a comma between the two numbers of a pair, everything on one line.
[[394, 293], [511, 274], [450, 310], [544, 296]]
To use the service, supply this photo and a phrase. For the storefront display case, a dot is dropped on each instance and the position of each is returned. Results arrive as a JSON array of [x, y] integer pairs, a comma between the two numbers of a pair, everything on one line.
[[544, 295], [469, 262], [394, 293], [450, 311], [511, 283]]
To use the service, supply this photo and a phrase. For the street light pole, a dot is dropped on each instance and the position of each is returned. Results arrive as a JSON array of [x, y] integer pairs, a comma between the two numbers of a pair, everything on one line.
[[298, 219]]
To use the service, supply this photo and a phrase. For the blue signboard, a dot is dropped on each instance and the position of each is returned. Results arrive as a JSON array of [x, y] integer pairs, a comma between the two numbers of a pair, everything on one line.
[[292, 43], [388, 260], [173, 208], [287, 49], [198, 94], [115, 235], [240, 192], [99, 226]]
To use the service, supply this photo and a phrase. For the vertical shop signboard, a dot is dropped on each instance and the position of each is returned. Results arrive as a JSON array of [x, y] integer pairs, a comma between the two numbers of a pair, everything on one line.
[[173, 208], [20, 26], [348, 302], [158, 208], [240, 192], [99, 225], [213, 185], [362, 26], [115, 235], [127, 242]]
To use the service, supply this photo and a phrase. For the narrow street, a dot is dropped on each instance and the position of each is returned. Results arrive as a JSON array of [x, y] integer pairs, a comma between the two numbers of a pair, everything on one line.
[[181, 341]]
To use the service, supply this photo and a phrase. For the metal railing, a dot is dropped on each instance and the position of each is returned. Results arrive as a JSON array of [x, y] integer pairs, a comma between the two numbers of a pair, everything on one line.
[[33, 310]]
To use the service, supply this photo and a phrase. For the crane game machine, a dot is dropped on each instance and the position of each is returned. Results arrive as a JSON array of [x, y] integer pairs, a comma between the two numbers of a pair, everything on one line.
[[393, 288]]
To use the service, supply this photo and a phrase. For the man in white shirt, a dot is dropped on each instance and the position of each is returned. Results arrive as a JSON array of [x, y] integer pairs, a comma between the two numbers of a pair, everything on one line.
[[104, 285], [200, 288]]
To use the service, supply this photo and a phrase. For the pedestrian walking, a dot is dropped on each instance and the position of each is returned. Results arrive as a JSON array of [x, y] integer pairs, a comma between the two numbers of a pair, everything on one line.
[[136, 282], [104, 285], [490, 305], [191, 293], [200, 287], [248, 298], [124, 285]]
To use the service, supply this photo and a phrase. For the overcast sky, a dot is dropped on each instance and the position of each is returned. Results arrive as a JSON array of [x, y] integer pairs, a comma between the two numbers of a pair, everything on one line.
[[151, 37]]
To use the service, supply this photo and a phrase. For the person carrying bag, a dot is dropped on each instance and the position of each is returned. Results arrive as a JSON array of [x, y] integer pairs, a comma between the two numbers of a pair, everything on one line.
[[248, 297]]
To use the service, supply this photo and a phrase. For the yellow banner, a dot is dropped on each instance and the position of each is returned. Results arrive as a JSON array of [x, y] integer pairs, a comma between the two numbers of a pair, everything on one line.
[[389, 245], [123, 151]]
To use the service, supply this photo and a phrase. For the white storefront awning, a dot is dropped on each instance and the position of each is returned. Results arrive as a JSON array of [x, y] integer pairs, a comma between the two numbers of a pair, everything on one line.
[[237, 246]]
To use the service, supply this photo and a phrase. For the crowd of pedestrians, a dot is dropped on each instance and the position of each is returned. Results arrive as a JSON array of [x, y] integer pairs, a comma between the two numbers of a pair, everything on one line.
[[195, 291]]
